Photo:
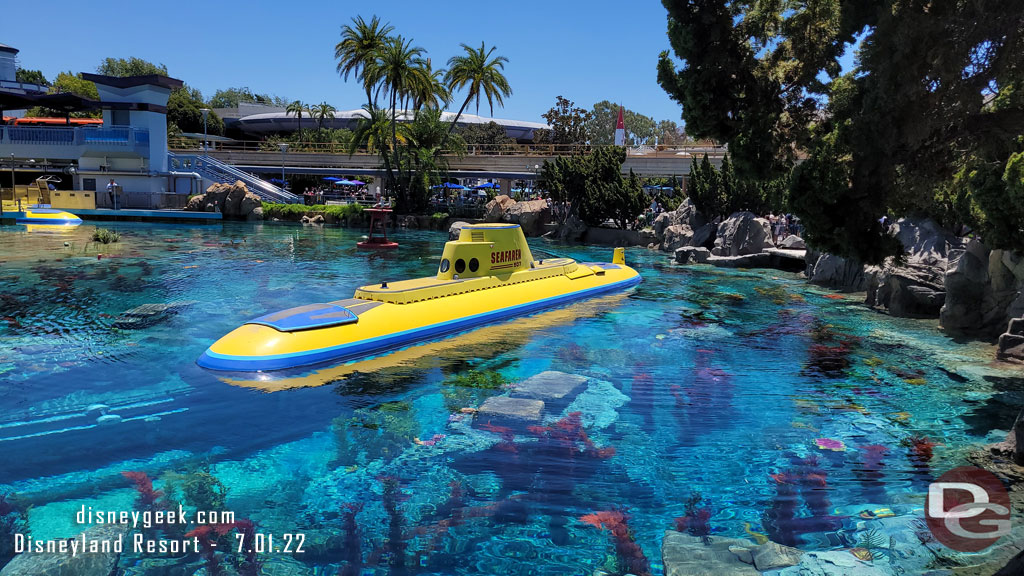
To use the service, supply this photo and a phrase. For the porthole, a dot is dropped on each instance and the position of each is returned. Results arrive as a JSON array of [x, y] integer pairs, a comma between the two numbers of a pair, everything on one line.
[[474, 264], [445, 265], [460, 265]]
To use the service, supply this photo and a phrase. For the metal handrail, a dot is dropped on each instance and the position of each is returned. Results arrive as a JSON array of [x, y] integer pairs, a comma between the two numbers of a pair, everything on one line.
[[213, 169], [186, 144]]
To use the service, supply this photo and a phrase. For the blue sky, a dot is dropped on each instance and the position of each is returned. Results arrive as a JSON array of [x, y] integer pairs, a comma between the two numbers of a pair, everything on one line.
[[585, 51]]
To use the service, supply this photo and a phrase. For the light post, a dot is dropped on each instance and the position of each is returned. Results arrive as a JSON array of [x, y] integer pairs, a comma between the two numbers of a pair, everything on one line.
[[284, 150], [206, 112]]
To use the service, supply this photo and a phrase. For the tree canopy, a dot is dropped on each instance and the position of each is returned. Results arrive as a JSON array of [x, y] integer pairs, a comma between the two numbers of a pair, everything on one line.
[[31, 77], [184, 113], [122, 67], [640, 129], [568, 123], [232, 97], [927, 122], [593, 186]]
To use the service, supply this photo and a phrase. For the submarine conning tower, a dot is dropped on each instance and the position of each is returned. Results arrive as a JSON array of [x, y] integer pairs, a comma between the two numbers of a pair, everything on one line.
[[485, 250]]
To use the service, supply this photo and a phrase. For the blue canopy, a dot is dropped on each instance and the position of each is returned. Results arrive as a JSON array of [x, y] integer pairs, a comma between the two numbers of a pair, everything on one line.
[[450, 186], [488, 185], [347, 183], [332, 179]]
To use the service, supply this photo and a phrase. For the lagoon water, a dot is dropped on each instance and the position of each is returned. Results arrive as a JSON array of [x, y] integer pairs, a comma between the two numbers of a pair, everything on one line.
[[776, 407]]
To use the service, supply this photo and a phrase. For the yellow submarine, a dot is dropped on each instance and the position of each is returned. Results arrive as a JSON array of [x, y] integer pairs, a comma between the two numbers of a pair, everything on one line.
[[485, 276], [45, 215]]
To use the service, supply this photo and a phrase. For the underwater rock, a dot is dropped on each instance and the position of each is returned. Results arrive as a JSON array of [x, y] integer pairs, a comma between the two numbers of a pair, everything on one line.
[[107, 419], [770, 556], [598, 404], [65, 564], [684, 555], [513, 408], [831, 564], [148, 315], [549, 385]]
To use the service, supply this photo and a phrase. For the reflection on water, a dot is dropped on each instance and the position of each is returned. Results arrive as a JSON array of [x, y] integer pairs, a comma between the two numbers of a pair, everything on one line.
[[734, 403]]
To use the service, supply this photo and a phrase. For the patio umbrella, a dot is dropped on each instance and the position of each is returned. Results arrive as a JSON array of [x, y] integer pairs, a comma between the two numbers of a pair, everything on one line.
[[451, 186], [347, 183], [332, 179], [357, 183], [488, 185]]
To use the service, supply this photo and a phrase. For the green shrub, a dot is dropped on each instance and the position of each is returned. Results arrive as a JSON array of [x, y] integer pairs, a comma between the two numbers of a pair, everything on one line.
[[296, 211], [105, 236]]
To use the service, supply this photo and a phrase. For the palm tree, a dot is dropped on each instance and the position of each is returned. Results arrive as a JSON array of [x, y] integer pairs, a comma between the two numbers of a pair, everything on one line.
[[322, 112], [374, 132], [433, 93], [298, 108], [358, 49], [401, 70], [481, 75]]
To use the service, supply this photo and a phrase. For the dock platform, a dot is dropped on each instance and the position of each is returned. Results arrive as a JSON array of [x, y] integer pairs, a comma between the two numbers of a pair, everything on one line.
[[133, 215]]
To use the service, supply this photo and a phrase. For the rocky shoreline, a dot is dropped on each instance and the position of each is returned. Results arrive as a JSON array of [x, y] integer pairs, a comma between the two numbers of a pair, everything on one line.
[[973, 291]]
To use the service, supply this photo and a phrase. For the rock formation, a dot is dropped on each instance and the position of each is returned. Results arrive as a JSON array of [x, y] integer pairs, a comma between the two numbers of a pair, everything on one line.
[[495, 210], [742, 233], [456, 229], [232, 200], [531, 215]]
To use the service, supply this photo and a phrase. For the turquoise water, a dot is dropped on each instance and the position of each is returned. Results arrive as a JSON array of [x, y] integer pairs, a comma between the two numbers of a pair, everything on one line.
[[791, 413]]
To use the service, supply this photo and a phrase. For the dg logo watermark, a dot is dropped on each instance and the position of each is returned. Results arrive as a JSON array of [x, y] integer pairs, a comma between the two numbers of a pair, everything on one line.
[[968, 509]]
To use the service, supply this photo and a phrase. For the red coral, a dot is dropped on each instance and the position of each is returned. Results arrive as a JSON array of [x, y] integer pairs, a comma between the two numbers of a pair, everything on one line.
[[568, 432], [628, 551], [144, 486], [921, 447]]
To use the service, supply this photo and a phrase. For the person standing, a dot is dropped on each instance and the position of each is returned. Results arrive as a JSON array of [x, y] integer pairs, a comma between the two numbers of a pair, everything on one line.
[[114, 190]]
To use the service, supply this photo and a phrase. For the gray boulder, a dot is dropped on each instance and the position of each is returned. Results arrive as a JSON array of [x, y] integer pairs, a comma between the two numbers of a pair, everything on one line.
[[455, 229], [835, 272], [742, 233], [1011, 343], [913, 291], [676, 236], [685, 215], [531, 215], [571, 229], [692, 255], [793, 242], [704, 236]]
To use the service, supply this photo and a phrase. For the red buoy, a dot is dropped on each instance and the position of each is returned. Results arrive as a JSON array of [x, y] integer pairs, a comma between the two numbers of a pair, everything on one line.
[[378, 220]]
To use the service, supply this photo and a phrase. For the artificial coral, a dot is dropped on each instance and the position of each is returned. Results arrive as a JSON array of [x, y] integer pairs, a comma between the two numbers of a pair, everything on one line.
[[628, 551]]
